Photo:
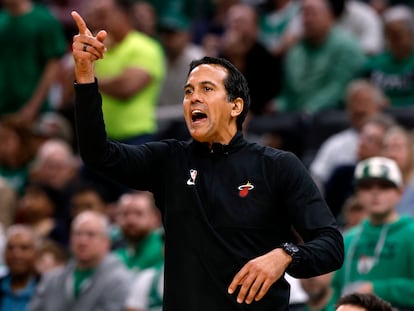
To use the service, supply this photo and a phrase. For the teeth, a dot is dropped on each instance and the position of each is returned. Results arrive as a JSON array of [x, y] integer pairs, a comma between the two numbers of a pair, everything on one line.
[[196, 111]]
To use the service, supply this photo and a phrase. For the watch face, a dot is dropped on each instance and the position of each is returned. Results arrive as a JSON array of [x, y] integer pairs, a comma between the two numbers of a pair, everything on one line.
[[290, 248]]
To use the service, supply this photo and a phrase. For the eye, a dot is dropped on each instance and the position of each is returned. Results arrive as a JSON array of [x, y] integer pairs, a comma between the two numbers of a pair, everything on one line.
[[188, 91], [207, 88]]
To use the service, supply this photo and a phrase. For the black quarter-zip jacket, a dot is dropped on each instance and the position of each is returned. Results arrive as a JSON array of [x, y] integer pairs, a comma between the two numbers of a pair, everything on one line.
[[221, 207]]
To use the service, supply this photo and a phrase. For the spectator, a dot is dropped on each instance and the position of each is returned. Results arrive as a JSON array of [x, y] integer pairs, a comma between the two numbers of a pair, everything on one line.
[[312, 84], [175, 36], [17, 287], [37, 208], [147, 290], [275, 18], [145, 18], [57, 167], [50, 255], [32, 43], [87, 196], [17, 150], [319, 292], [363, 302], [355, 17], [379, 251], [340, 184], [393, 69], [363, 101], [130, 76], [398, 145], [362, 21], [240, 45], [141, 243], [92, 280]]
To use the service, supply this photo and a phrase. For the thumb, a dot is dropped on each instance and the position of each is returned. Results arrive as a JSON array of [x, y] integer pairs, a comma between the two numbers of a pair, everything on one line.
[[101, 36]]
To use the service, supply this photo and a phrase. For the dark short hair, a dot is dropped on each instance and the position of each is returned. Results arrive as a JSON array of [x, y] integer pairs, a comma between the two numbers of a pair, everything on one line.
[[370, 302], [235, 83]]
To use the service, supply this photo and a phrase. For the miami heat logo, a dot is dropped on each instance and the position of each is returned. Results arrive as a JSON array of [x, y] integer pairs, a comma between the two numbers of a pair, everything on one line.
[[244, 189]]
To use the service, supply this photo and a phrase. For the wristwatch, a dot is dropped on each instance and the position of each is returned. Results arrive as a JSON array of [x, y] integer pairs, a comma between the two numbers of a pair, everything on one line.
[[292, 250]]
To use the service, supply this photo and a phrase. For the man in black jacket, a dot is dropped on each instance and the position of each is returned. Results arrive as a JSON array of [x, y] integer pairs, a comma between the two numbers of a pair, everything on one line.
[[228, 206]]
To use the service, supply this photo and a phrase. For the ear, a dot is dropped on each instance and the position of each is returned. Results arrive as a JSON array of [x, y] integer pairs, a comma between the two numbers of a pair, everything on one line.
[[237, 107]]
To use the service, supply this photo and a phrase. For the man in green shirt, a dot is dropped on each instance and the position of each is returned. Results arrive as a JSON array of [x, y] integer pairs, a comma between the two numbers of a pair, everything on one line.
[[141, 245]]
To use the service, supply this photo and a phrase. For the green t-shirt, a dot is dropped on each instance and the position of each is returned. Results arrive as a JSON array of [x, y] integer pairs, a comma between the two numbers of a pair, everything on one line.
[[126, 118], [27, 43], [146, 254], [317, 77], [394, 77], [383, 255], [79, 278]]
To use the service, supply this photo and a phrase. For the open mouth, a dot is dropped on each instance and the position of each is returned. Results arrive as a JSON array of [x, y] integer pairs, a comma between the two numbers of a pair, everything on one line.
[[198, 115]]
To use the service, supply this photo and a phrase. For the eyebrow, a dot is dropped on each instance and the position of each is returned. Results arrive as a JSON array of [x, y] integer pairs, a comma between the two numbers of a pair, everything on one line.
[[202, 83]]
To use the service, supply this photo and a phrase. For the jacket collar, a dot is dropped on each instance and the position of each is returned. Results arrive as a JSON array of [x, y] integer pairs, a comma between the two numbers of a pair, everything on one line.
[[235, 144]]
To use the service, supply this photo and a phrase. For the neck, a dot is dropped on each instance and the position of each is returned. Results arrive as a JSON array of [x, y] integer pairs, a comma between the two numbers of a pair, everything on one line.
[[20, 281]]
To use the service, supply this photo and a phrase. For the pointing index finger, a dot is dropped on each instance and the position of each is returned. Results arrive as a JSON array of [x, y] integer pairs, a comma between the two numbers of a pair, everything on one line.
[[83, 29]]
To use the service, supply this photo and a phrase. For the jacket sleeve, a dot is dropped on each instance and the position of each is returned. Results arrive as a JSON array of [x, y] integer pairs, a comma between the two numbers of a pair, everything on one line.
[[133, 166], [322, 246]]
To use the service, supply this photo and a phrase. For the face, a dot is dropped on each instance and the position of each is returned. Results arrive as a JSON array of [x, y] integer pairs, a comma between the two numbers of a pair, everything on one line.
[[209, 116], [397, 147], [56, 166], [370, 141], [36, 204], [87, 200], [361, 106], [316, 19], [20, 253], [399, 37], [174, 42], [137, 217], [378, 198], [89, 241]]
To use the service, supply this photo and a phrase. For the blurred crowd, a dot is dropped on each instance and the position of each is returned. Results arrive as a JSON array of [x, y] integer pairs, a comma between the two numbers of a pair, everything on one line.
[[331, 81]]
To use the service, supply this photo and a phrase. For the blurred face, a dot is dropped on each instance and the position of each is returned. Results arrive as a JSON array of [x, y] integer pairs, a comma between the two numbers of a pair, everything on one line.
[[36, 204], [208, 114], [137, 216], [397, 147], [378, 198], [89, 241], [46, 262], [20, 254], [56, 166], [103, 14], [361, 106], [370, 141], [174, 42], [400, 39], [87, 200], [316, 18]]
